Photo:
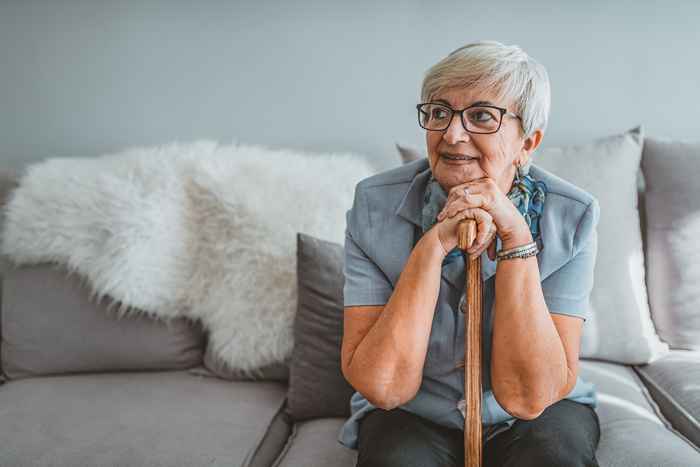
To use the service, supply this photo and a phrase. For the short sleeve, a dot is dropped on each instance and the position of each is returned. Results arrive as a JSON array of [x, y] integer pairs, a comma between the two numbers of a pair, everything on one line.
[[365, 283], [567, 290]]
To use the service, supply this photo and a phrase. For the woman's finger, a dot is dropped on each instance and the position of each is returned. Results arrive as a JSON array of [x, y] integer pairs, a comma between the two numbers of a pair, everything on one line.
[[482, 239], [484, 221], [458, 204], [492, 249], [486, 245]]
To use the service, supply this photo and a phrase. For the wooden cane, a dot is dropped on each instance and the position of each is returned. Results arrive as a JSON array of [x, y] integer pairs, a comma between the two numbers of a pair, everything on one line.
[[472, 347]]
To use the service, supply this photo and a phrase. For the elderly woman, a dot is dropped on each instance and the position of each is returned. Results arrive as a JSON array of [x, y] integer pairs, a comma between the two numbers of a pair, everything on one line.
[[484, 108]]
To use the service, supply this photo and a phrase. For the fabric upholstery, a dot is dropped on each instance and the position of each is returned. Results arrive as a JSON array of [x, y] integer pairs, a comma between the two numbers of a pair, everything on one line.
[[133, 419], [317, 387], [632, 434], [215, 367], [51, 326], [674, 382], [672, 174], [272, 442], [8, 182]]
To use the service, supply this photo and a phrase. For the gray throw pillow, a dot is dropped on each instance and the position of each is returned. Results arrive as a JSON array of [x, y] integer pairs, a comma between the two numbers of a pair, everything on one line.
[[672, 174], [317, 387], [408, 154]]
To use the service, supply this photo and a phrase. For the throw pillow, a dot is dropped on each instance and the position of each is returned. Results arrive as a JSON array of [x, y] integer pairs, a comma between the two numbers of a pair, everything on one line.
[[408, 154], [671, 171], [317, 387]]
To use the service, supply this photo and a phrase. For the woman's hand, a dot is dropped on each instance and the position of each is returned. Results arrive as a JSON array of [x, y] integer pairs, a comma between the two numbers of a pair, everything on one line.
[[484, 195], [485, 231]]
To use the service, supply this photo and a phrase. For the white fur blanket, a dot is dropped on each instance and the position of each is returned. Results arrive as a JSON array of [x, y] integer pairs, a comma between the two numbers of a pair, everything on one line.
[[197, 230]]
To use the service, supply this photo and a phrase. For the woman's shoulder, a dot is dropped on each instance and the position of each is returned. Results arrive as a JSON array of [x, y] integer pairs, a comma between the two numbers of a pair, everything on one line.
[[570, 214], [386, 191], [561, 188]]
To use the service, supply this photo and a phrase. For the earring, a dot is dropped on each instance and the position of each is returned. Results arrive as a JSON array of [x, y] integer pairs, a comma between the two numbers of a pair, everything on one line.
[[518, 172]]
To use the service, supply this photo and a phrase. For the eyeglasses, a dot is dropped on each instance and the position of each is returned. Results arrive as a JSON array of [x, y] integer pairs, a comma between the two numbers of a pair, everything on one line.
[[481, 119]]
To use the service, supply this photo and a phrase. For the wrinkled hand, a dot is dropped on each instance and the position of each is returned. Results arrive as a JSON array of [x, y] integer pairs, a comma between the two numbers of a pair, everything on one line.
[[496, 215], [485, 231]]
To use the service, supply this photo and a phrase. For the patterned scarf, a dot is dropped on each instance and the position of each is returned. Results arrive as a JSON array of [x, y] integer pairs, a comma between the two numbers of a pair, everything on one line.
[[526, 193]]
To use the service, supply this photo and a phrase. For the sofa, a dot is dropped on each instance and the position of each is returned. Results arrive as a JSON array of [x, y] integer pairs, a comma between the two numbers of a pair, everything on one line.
[[79, 387]]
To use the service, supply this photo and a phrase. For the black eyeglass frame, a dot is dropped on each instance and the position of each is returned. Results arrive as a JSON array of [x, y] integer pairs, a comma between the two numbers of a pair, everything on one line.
[[503, 111]]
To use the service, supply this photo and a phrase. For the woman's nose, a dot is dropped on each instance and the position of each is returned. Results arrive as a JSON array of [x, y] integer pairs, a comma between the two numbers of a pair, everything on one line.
[[455, 132]]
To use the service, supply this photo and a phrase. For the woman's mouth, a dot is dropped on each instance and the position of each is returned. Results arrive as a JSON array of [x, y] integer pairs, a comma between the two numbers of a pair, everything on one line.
[[457, 158]]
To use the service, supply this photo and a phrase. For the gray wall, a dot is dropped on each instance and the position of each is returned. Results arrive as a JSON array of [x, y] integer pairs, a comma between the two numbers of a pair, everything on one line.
[[81, 78]]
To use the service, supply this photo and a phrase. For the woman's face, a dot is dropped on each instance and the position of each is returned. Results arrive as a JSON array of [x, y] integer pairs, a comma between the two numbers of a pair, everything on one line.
[[495, 154]]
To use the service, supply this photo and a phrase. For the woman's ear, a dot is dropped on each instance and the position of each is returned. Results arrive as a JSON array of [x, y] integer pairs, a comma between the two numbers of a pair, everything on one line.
[[531, 142]]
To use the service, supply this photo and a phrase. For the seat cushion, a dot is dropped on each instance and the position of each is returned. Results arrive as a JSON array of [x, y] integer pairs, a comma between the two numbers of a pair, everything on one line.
[[674, 382], [167, 418], [632, 434]]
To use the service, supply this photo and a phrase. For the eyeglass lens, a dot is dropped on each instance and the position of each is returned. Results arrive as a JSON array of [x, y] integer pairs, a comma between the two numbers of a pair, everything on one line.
[[475, 119]]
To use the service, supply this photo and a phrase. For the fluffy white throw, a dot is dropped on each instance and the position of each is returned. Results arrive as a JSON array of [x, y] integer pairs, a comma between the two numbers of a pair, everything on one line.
[[200, 230]]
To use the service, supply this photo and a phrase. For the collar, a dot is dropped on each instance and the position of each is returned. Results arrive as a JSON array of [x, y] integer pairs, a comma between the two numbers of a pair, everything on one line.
[[410, 209]]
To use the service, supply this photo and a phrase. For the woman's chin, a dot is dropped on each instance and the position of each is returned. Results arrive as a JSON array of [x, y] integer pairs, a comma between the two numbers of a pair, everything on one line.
[[450, 176]]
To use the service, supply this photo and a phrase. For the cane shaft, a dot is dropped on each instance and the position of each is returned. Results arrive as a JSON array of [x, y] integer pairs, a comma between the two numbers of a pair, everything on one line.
[[472, 348]]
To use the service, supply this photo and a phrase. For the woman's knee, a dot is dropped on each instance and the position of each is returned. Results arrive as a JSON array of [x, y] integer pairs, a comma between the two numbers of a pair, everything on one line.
[[552, 459], [537, 451], [566, 434], [398, 438], [407, 456]]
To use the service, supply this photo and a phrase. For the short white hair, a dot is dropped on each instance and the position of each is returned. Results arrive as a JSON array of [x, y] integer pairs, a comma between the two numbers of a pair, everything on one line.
[[507, 69]]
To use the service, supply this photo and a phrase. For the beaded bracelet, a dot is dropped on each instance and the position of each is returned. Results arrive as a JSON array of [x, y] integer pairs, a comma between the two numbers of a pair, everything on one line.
[[523, 251]]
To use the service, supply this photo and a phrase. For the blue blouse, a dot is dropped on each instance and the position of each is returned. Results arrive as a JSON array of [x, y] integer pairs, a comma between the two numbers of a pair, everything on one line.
[[382, 228]]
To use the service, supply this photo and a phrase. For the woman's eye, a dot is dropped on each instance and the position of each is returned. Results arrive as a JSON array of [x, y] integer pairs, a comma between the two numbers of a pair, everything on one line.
[[481, 116], [439, 114]]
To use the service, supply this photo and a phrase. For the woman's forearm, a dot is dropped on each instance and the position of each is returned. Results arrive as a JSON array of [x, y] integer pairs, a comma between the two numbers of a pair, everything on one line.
[[392, 354], [528, 362]]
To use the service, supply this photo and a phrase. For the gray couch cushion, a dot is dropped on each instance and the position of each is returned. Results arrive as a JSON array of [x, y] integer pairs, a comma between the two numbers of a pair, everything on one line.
[[633, 430], [61, 330], [216, 367], [271, 443], [632, 434], [133, 419], [8, 182], [317, 387], [671, 171], [674, 381]]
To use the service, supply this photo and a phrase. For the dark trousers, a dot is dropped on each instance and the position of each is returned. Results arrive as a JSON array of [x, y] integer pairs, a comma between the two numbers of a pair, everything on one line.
[[565, 434]]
